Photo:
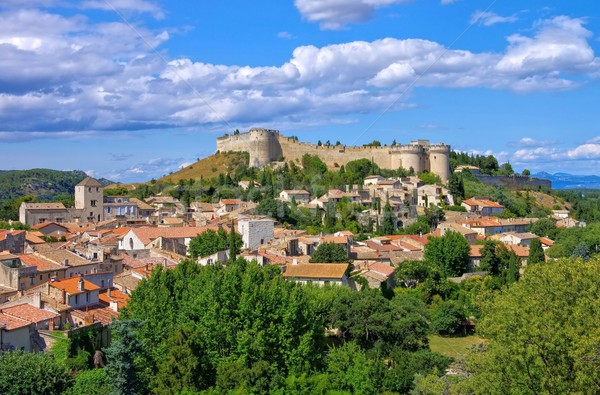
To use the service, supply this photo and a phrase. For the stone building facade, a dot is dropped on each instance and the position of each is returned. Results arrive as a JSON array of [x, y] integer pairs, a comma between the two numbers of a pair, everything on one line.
[[266, 146]]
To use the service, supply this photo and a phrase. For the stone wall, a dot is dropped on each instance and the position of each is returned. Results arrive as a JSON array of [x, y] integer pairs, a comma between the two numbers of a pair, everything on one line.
[[265, 146], [515, 181]]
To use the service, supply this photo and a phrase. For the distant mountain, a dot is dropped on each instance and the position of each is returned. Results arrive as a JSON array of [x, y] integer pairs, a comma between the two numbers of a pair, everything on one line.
[[570, 181], [44, 184]]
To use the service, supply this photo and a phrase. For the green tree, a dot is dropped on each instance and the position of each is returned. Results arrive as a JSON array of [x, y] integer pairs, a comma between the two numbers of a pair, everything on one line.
[[582, 251], [447, 317], [121, 357], [389, 219], [434, 215], [450, 253], [536, 252], [330, 253], [90, 382], [556, 349], [351, 370], [31, 373]]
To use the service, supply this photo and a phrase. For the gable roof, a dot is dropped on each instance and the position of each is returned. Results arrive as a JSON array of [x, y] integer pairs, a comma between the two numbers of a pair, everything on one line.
[[316, 270], [10, 323], [89, 182], [44, 206], [70, 285], [146, 235], [29, 313]]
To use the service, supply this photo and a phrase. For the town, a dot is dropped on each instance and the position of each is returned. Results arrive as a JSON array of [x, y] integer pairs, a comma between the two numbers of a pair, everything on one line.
[[68, 271]]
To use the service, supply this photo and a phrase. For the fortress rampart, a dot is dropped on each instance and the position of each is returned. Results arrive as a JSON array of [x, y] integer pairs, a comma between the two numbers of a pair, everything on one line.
[[265, 146]]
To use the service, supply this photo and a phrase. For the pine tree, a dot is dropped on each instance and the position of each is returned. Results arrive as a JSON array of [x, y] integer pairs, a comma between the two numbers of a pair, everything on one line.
[[536, 252], [121, 356], [389, 219]]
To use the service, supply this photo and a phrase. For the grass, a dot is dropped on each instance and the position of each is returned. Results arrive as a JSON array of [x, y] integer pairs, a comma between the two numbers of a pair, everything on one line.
[[453, 347], [208, 167]]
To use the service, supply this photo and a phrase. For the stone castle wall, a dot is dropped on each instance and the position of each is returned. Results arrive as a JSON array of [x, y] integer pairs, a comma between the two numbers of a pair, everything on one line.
[[515, 181], [265, 146]]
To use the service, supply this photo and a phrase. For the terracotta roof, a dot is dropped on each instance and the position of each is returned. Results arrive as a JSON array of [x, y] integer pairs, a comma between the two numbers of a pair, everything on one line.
[[316, 270], [60, 255], [96, 313], [10, 323], [46, 223], [44, 206], [546, 241], [71, 285], [334, 239], [115, 296], [522, 252], [141, 204], [29, 313], [146, 235], [42, 264], [89, 182], [231, 201], [381, 268]]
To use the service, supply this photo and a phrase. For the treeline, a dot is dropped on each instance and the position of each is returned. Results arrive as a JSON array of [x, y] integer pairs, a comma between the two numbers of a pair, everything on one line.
[[488, 164]]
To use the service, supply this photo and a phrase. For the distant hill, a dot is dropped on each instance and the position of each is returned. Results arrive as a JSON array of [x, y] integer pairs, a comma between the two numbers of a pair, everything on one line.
[[44, 184], [209, 167], [570, 181]]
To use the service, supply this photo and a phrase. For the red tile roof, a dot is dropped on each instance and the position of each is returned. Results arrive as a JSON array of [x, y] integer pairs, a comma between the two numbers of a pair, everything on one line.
[[71, 285], [115, 296], [10, 323], [316, 270], [29, 313], [41, 263], [146, 235]]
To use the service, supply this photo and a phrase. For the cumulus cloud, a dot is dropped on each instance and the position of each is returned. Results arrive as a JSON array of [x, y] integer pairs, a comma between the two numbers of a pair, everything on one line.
[[530, 142], [335, 14], [137, 6], [65, 73], [446, 2], [586, 151], [491, 18]]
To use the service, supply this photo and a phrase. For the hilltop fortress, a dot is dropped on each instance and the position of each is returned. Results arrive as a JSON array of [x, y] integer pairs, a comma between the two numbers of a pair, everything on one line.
[[266, 146]]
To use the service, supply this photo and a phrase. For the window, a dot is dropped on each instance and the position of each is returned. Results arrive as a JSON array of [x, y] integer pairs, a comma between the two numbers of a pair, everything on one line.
[[87, 297], [41, 277], [108, 210], [76, 299], [97, 189], [102, 284], [131, 243], [41, 220], [90, 189], [91, 213], [93, 203]]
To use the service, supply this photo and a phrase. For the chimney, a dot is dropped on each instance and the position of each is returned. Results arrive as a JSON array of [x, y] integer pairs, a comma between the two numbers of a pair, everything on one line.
[[37, 300], [294, 261], [165, 263], [64, 296], [81, 284], [108, 292]]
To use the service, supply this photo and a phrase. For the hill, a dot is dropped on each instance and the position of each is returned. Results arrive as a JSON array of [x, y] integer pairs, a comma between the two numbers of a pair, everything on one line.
[[571, 181], [43, 184], [209, 167]]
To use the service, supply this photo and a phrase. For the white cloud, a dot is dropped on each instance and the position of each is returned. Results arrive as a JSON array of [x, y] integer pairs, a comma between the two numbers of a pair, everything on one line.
[[530, 142], [335, 14], [137, 6], [446, 2], [285, 35], [491, 18], [61, 74], [594, 140], [587, 151]]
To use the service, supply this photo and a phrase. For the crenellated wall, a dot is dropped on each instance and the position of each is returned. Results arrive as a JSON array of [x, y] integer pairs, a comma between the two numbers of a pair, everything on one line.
[[265, 146]]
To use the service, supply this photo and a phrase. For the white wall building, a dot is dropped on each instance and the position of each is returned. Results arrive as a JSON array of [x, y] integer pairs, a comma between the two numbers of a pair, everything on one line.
[[256, 232]]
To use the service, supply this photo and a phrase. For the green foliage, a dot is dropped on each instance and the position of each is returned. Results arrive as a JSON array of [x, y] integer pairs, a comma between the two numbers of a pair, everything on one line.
[[374, 143], [555, 351], [121, 357], [90, 382], [330, 253], [543, 227], [242, 316], [430, 178], [418, 227], [389, 220], [351, 370], [582, 251], [313, 165], [536, 252], [117, 191], [209, 242], [450, 253], [23, 373], [585, 204], [447, 317]]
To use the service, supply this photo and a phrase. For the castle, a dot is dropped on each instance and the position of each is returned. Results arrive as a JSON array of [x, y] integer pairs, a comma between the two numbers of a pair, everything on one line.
[[266, 146]]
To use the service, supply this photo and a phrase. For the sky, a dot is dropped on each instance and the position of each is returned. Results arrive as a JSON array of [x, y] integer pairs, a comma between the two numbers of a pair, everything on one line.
[[132, 90]]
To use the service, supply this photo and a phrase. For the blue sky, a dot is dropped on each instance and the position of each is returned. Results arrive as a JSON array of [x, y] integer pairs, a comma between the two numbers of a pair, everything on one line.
[[133, 89]]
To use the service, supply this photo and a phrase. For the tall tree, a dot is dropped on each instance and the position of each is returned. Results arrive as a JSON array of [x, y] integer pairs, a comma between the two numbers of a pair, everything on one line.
[[31, 373], [121, 357], [330, 253], [536, 252], [389, 219], [449, 252]]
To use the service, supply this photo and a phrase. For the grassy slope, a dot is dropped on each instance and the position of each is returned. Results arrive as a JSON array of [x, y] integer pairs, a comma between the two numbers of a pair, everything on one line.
[[452, 347], [208, 167]]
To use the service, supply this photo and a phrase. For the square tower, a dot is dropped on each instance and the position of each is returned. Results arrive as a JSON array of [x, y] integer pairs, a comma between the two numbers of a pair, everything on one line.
[[89, 197]]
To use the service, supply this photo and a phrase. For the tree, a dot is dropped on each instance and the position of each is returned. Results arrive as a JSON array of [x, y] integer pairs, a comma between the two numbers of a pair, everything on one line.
[[536, 252], [389, 219], [447, 317], [490, 261], [204, 244], [412, 273], [350, 369], [543, 227], [434, 215], [330, 253], [449, 252], [121, 357], [582, 251], [526, 172], [456, 185], [31, 373], [90, 382], [234, 243], [556, 350]]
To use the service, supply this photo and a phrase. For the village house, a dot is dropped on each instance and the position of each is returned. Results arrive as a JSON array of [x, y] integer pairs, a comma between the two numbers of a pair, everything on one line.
[[300, 196], [482, 206], [317, 273], [255, 231], [512, 238], [469, 234], [433, 194]]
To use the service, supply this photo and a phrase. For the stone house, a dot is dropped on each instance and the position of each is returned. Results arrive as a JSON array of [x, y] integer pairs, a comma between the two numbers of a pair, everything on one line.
[[317, 273]]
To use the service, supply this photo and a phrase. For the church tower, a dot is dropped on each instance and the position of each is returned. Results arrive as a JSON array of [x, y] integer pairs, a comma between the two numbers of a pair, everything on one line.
[[89, 197]]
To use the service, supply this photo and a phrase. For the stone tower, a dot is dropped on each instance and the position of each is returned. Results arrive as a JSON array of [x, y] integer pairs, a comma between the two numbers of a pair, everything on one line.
[[89, 197]]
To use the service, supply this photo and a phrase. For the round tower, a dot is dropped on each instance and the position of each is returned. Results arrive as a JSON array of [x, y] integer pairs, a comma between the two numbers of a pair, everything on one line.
[[439, 160], [264, 147], [410, 156]]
